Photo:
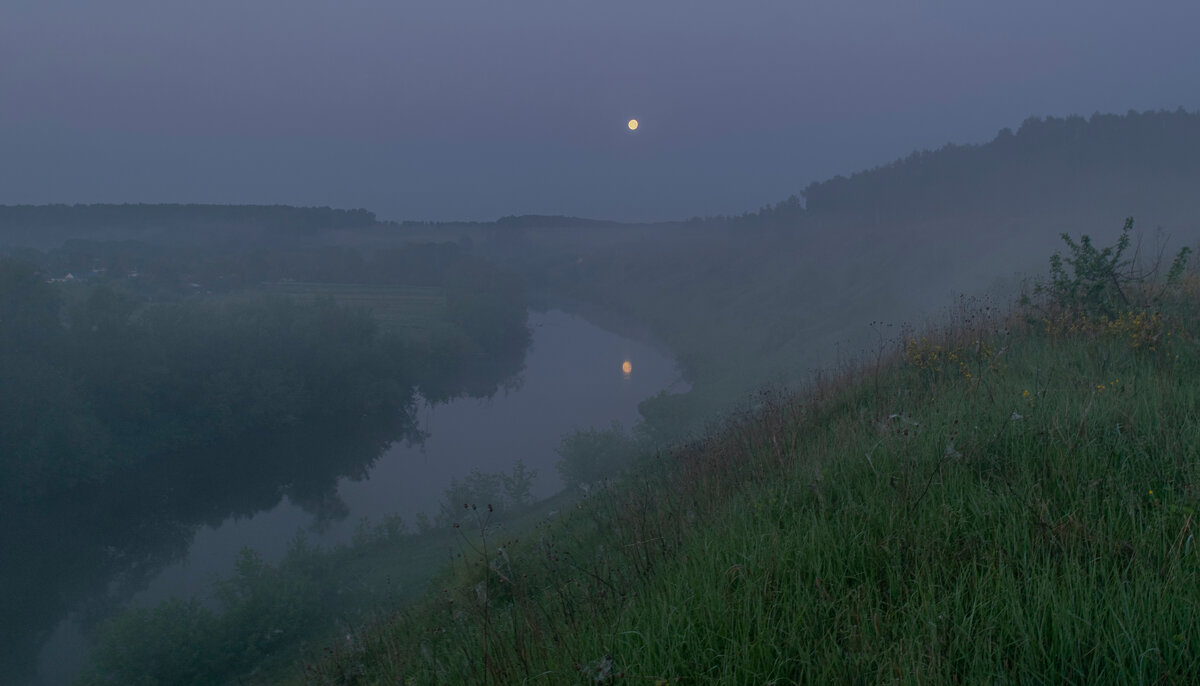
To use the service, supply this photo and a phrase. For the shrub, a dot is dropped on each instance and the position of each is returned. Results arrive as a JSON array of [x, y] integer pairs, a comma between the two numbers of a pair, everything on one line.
[[502, 493], [589, 456], [1101, 282]]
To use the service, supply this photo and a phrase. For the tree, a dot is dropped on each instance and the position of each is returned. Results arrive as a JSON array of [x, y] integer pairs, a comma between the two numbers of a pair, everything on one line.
[[29, 309]]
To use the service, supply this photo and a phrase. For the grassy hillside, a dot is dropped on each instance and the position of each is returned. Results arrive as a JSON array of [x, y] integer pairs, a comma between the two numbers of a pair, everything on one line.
[[1008, 497]]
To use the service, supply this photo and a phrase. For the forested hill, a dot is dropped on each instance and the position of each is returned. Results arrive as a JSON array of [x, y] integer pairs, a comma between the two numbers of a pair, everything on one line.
[[46, 223], [1115, 163]]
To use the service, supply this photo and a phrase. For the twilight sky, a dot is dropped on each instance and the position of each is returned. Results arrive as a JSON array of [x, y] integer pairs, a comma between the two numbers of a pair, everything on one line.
[[473, 109]]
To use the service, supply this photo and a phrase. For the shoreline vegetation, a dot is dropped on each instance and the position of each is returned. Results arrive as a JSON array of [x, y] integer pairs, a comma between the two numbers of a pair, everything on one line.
[[1009, 496]]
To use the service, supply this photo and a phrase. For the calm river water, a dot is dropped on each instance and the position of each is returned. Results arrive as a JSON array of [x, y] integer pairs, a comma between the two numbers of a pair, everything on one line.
[[574, 378]]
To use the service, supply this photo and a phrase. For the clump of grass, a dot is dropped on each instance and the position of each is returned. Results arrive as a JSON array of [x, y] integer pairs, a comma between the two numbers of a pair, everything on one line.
[[1010, 499]]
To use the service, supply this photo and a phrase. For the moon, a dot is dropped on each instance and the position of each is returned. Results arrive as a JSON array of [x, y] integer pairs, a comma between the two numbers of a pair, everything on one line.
[[626, 367], [633, 125]]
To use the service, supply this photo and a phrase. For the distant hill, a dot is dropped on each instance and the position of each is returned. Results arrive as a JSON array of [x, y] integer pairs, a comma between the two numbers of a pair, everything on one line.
[[1114, 164]]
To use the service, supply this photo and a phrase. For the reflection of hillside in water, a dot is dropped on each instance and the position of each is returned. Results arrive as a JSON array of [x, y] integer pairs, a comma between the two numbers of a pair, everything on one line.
[[90, 552]]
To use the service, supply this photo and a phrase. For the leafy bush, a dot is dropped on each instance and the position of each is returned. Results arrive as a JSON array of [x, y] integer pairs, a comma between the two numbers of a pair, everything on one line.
[[591, 455], [1101, 282], [264, 611], [502, 493], [168, 644]]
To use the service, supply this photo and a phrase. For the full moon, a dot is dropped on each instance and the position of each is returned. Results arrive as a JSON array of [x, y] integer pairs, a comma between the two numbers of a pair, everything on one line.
[[633, 125], [626, 367]]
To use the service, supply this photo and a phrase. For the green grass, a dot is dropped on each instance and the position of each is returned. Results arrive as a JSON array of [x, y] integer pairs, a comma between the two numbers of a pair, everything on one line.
[[266, 615], [1002, 502]]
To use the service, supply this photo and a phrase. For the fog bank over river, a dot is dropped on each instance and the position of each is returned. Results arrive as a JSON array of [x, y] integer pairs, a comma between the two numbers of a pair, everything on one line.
[[574, 378]]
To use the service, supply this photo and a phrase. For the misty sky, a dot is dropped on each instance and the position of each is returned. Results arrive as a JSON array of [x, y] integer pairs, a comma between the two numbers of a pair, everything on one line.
[[473, 109]]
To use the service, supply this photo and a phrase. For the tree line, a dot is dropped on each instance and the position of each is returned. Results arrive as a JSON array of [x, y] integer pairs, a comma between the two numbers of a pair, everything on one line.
[[1046, 162], [129, 418]]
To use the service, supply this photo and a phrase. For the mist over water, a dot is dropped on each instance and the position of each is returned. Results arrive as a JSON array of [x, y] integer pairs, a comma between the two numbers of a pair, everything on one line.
[[572, 379]]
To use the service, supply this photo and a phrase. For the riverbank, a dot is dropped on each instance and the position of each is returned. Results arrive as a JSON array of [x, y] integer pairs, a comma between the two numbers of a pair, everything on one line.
[[1011, 497], [354, 567]]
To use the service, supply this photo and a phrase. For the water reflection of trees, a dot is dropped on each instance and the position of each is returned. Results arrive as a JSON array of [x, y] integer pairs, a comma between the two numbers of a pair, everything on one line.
[[93, 550], [124, 428]]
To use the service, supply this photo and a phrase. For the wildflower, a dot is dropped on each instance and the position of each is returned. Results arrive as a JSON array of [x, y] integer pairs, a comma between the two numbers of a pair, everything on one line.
[[1025, 394]]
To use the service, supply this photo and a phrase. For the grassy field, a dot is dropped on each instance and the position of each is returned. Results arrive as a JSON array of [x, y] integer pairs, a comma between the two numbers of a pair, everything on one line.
[[409, 310], [1009, 498]]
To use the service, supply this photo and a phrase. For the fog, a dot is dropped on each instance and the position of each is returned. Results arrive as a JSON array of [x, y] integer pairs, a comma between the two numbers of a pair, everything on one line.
[[295, 293], [474, 110]]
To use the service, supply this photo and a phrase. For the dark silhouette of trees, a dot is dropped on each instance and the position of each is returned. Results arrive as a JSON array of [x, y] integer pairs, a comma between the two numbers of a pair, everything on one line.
[[129, 418], [1046, 162]]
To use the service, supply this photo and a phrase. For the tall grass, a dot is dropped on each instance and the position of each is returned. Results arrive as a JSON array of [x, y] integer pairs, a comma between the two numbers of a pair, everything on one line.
[[1005, 499]]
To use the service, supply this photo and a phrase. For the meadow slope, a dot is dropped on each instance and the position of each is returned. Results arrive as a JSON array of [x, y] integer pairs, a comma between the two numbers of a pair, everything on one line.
[[1008, 497]]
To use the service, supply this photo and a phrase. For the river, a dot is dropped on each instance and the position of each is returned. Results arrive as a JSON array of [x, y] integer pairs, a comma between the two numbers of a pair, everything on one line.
[[577, 375]]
